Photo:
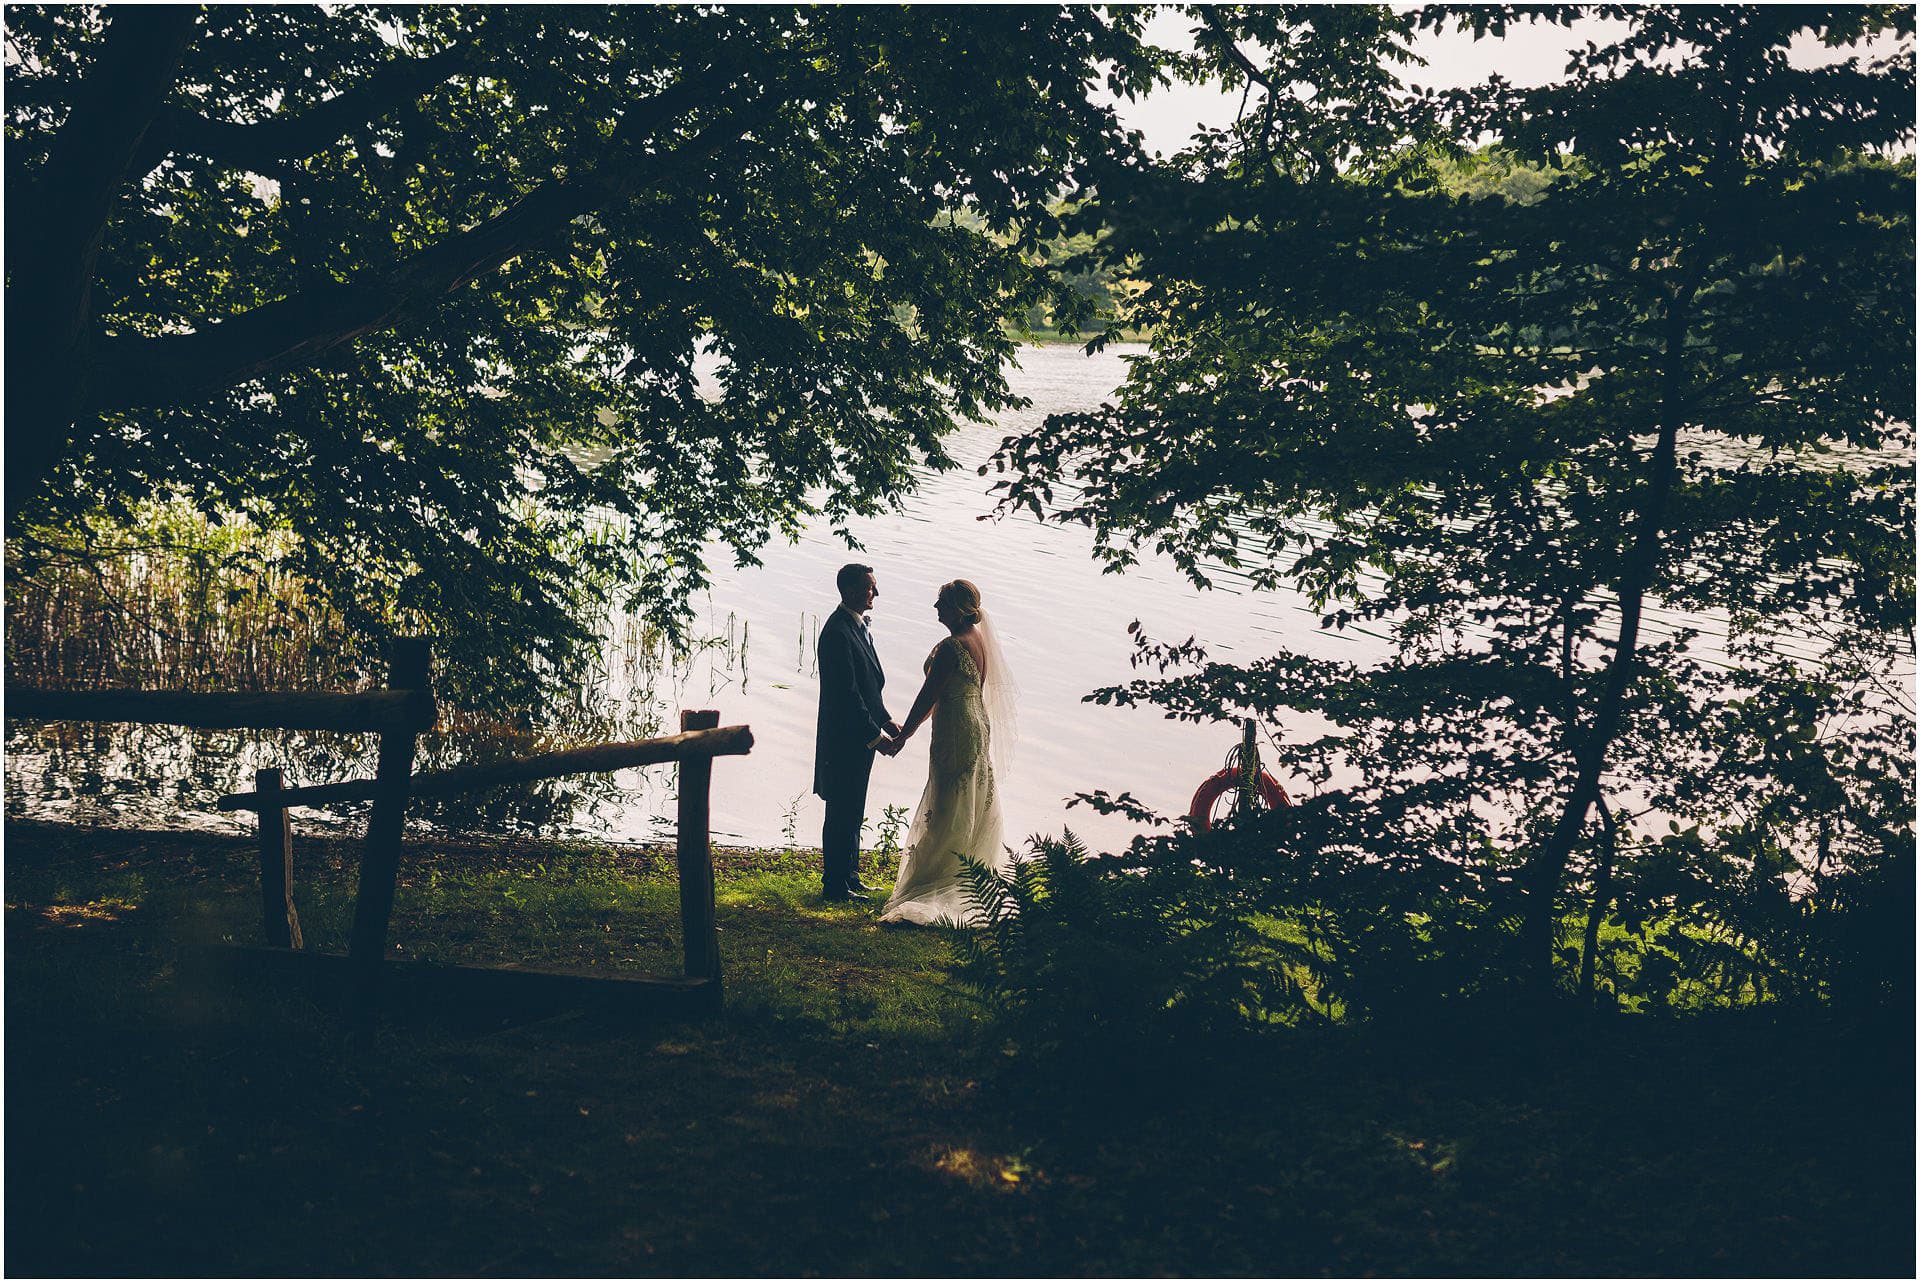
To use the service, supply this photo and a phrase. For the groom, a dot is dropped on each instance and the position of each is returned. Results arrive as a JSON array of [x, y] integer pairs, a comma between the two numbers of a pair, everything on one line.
[[853, 725]]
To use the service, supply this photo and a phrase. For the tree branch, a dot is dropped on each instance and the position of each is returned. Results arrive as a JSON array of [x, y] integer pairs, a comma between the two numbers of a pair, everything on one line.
[[1254, 76], [269, 144], [1231, 47], [298, 330]]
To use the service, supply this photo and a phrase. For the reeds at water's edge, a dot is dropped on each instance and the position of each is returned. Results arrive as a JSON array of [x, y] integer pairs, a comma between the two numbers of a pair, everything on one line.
[[174, 618], [196, 605], [181, 603]]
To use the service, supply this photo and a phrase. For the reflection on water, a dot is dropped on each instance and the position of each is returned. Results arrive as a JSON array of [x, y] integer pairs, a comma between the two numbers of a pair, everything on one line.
[[1062, 621], [102, 773]]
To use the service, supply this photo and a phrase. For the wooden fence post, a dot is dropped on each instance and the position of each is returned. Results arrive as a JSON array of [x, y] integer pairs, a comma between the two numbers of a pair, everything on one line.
[[412, 670], [700, 935], [278, 920]]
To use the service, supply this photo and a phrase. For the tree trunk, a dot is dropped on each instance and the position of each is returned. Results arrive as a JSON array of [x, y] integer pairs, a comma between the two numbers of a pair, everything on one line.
[[1602, 897], [58, 230], [1548, 864]]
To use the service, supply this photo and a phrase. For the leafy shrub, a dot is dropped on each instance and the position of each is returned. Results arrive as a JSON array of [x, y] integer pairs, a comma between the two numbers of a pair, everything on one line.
[[1275, 919], [1083, 953]]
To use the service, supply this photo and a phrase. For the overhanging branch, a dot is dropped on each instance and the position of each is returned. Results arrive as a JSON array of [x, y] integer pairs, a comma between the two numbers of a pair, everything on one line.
[[295, 331], [269, 144]]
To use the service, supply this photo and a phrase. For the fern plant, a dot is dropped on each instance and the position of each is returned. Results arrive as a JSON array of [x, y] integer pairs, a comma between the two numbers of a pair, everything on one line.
[[1091, 954]]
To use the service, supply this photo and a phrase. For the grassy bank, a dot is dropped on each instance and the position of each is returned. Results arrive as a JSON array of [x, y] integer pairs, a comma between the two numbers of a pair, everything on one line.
[[849, 1113]]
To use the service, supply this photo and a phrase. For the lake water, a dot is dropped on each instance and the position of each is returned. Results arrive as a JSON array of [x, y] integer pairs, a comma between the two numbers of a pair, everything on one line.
[[1062, 622]]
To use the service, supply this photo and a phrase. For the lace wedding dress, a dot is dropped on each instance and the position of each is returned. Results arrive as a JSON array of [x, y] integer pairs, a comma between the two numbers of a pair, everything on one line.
[[959, 813]]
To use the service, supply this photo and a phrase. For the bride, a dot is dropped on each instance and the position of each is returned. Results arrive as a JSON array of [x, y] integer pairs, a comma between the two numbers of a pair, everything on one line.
[[969, 695]]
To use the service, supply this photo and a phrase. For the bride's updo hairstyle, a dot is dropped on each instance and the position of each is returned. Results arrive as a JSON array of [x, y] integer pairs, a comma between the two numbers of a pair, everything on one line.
[[963, 599]]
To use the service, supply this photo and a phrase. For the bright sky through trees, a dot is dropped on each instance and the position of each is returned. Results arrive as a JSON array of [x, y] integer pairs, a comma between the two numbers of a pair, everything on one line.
[[1530, 54]]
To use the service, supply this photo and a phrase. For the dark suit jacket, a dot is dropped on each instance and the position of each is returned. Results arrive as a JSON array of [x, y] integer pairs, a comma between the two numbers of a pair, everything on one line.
[[851, 714]]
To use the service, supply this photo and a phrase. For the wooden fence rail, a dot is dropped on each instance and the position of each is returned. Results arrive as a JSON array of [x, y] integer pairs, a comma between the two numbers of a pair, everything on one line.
[[723, 741], [399, 714]]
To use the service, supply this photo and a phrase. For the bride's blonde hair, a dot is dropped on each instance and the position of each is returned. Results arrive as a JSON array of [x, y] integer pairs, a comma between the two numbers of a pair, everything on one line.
[[963, 598]]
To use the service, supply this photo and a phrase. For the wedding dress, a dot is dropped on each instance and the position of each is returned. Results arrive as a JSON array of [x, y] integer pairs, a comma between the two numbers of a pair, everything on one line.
[[959, 812]]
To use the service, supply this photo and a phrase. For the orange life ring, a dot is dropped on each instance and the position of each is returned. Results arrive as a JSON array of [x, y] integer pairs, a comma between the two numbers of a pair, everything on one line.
[[1223, 782]]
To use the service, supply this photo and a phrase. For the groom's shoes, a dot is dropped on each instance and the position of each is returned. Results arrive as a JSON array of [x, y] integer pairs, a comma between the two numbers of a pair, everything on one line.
[[857, 887], [844, 894]]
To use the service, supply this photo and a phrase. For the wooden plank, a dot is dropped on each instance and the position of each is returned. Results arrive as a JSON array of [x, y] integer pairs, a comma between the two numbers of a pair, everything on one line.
[[279, 922], [721, 741], [700, 939], [504, 990], [254, 710], [386, 830]]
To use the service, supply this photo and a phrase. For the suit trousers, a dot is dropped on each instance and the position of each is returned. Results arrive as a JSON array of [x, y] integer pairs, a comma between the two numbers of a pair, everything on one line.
[[846, 811]]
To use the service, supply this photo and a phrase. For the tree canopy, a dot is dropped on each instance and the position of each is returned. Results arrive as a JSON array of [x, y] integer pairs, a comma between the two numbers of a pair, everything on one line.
[[426, 287], [1499, 371]]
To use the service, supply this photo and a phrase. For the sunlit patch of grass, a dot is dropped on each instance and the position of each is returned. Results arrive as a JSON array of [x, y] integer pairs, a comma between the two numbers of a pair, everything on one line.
[[58, 899], [796, 891], [835, 967], [1006, 1172], [29, 885], [91, 912]]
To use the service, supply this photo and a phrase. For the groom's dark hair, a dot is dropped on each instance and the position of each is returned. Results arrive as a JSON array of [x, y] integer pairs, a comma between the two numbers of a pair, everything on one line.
[[850, 576]]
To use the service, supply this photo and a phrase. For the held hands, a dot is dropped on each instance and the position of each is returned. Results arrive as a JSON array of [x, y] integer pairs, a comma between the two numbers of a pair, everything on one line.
[[895, 741]]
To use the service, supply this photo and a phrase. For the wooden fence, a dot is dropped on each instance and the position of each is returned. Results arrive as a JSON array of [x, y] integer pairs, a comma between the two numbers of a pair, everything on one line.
[[399, 714]]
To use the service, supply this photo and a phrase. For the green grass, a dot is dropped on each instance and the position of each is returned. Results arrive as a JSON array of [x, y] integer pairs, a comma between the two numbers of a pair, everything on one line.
[[851, 1112]]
